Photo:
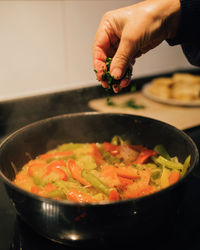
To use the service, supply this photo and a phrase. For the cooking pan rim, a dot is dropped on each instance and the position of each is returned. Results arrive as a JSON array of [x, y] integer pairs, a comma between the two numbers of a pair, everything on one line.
[[7, 181]]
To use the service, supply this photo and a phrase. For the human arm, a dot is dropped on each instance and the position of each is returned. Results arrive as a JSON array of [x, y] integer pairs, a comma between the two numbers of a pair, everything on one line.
[[188, 32]]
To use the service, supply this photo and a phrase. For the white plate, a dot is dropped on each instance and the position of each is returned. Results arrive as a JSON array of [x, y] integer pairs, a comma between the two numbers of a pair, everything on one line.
[[155, 98]]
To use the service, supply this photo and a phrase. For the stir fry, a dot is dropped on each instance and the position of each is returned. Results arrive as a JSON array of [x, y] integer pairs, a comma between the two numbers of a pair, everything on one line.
[[99, 172]]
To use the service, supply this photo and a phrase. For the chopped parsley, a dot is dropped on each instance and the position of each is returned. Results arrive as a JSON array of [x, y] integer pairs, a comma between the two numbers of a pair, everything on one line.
[[106, 76], [110, 79]]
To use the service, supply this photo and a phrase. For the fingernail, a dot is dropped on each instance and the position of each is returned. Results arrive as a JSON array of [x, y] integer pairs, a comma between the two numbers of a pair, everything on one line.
[[104, 84], [124, 83], [116, 88], [116, 73]]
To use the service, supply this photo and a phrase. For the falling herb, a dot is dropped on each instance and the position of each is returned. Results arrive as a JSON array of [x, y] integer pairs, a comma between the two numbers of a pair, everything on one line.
[[131, 104], [109, 102], [128, 104], [133, 88], [106, 76]]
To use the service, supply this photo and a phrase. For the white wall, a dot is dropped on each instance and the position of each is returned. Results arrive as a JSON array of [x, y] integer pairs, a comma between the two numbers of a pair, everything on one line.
[[32, 56], [47, 46]]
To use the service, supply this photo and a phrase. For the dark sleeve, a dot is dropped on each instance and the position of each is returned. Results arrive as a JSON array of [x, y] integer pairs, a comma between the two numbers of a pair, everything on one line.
[[188, 34]]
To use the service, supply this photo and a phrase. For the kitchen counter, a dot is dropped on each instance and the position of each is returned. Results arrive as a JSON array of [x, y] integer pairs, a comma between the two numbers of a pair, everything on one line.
[[19, 112], [182, 117]]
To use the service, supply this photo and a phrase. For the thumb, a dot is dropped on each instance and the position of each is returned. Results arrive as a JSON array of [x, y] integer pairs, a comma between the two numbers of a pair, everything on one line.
[[123, 57]]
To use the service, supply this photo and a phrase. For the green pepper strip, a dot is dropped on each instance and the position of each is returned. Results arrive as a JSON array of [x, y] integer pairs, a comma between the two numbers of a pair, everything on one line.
[[186, 164], [95, 182], [56, 193], [161, 150], [169, 164]]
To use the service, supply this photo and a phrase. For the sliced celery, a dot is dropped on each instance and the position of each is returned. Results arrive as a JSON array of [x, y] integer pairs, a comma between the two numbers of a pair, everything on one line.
[[56, 193], [38, 181], [164, 180], [166, 163], [186, 165], [95, 182], [161, 150], [87, 162]]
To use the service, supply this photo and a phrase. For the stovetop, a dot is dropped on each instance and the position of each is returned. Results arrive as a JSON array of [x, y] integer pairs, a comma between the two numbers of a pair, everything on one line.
[[183, 233]]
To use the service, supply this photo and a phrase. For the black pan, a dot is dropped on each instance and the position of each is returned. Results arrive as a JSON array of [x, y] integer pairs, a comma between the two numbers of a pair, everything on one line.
[[78, 224]]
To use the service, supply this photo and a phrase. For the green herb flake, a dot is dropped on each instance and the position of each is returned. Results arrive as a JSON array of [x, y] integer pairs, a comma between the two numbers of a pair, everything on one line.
[[131, 104], [109, 102], [110, 79]]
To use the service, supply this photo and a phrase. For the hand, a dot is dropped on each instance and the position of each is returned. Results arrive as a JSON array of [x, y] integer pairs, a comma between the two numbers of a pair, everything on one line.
[[129, 32]]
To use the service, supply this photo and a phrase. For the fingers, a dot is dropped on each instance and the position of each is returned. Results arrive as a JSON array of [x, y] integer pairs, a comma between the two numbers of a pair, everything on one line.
[[100, 49], [99, 66], [123, 57], [108, 44]]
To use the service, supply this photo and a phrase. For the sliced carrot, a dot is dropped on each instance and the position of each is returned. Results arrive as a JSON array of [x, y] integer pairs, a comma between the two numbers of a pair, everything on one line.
[[147, 190], [35, 167], [112, 149], [97, 155], [54, 167], [58, 154], [21, 177], [61, 174], [139, 191], [110, 176], [35, 189], [114, 195], [124, 182], [144, 156], [75, 171], [136, 190], [76, 195], [49, 187], [132, 191], [128, 172], [141, 187], [174, 177], [24, 181], [57, 163]]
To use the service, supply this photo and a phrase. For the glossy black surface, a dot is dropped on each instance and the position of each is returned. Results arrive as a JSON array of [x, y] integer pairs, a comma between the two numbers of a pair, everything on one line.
[[183, 233], [85, 224]]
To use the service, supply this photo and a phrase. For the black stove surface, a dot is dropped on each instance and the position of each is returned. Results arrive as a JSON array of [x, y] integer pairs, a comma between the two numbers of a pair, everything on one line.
[[182, 233]]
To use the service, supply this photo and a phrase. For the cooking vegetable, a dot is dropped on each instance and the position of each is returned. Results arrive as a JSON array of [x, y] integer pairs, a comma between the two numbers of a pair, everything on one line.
[[168, 163], [174, 177], [95, 172], [76, 172], [144, 155], [186, 165], [56, 154], [75, 195], [95, 182], [161, 150]]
